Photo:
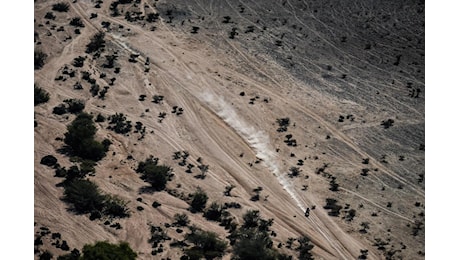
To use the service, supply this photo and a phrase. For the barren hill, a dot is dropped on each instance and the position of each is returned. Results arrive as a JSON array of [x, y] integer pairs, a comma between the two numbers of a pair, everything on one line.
[[292, 103]]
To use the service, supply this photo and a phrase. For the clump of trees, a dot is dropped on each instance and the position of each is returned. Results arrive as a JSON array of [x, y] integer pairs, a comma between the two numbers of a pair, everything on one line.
[[289, 141], [206, 245], [79, 61], [252, 240], [334, 209], [97, 42], [152, 17], [86, 197], [106, 250], [156, 175], [304, 248], [119, 124], [40, 95], [283, 124], [80, 139], [73, 106]]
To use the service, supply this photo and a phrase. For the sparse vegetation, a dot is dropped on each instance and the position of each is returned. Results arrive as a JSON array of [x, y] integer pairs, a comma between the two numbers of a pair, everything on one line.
[[157, 235], [214, 212]]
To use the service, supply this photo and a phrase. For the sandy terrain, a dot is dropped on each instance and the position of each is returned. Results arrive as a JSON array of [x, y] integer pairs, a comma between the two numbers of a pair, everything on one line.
[[236, 135]]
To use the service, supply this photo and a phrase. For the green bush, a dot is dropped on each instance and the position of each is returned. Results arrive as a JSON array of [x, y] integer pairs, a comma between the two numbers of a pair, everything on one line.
[[304, 248], [77, 22], [254, 246], [84, 195], [60, 109], [387, 123], [46, 256], [50, 16], [40, 95], [214, 212], [206, 245], [115, 207], [181, 220], [97, 42], [73, 173], [39, 59], [80, 129], [80, 138], [60, 172], [252, 240], [283, 124], [48, 160], [106, 251], [331, 204], [61, 7], [79, 61], [100, 118], [156, 175], [75, 106], [87, 166], [199, 199], [119, 124]]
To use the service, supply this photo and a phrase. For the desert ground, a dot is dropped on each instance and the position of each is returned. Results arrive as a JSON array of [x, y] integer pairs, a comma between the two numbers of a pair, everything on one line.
[[348, 76]]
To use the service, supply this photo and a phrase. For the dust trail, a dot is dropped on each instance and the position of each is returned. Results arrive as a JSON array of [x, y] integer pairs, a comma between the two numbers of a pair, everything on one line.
[[257, 139]]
